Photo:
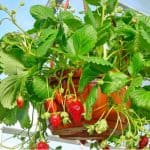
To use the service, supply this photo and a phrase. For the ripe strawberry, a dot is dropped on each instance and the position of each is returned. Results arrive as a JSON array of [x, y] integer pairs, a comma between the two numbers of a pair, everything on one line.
[[68, 100], [143, 142], [66, 4], [50, 105], [59, 98], [55, 120], [106, 148], [83, 142], [75, 109], [42, 146], [20, 102]]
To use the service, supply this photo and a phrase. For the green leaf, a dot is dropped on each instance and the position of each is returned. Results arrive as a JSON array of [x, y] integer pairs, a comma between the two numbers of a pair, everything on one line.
[[61, 39], [10, 117], [58, 148], [141, 99], [127, 16], [23, 116], [89, 17], [96, 60], [104, 33], [90, 102], [113, 81], [93, 2], [9, 88], [82, 41], [10, 65], [71, 21], [142, 112], [111, 5], [41, 89], [3, 112], [147, 87], [45, 34], [93, 70], [136, 82], [41, 12], [144, 38], [46, 45], [29, 60], [136, 64]]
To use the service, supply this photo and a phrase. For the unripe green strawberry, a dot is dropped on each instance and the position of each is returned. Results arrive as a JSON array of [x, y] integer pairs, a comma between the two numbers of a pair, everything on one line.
[[101, 126]]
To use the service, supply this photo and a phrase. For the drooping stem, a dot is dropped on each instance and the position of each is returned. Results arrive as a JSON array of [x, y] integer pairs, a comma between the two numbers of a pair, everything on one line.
[[120, 122], [115, 128]]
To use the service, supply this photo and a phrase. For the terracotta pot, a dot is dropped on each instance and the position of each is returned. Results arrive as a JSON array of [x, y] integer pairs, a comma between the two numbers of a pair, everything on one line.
[[77, 131], [102, 104]]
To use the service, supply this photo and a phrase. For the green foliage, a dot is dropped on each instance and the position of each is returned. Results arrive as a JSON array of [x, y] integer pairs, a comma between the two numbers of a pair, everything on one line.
[[11, 116], [90, 102], [93, 2], [41, 89], [104, 33], [140, 98], [45, 46], [89, 17], [10, 89], [41, 12], [136, 64], [111, 5], [58, 148], [10, 65], [23, 116], [113, 81], [82, 41], [135, 83], [92, 70], [3, 112], [70, 20]]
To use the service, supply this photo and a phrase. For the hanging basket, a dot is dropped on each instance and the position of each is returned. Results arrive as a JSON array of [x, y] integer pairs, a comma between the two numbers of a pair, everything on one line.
[[78, 131]]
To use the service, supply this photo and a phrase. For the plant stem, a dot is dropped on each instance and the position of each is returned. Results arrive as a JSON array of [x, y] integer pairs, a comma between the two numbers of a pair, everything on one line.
[[115, 128], [120, 122]]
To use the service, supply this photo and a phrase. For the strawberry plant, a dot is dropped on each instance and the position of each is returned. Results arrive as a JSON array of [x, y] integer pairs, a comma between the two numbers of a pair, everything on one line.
[[78, 72], [42, 146]]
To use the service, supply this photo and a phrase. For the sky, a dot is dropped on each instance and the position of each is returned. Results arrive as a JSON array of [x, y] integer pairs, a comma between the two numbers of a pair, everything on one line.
[[25, 20], [23, 17]]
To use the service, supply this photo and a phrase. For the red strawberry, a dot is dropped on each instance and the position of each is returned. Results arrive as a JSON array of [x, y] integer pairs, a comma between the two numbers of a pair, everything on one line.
[[66, 4], [83, 142], [20, 102], [42, 146], [50, 105], [75, 109], [143, 142], [55, 120], [106, 148], [68, 100], [59, 98]]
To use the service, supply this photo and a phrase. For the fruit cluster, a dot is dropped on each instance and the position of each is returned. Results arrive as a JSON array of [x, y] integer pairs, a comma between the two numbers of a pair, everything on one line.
[[63, 109]]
